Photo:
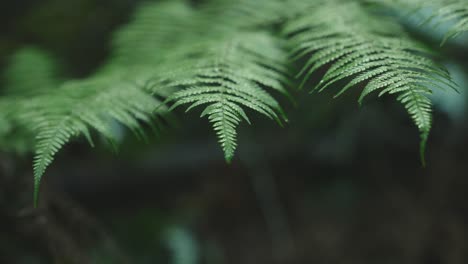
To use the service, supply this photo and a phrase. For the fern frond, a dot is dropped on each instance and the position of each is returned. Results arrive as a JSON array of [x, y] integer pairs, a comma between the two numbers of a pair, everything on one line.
[[369, 51], [229, 75], [117, 92], [212, 60], [79, 107], [31, 71]]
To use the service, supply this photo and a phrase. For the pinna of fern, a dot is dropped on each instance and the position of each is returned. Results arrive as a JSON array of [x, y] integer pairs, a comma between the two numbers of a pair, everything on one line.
[[227, 76], [77, 109], [116, 93], [225, 68], [369, 51], [69, 109]]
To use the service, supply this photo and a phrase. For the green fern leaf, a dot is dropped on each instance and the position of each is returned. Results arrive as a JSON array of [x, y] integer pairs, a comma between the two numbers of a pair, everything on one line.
[[368, 51], [230, 74], [224, 68], [79, 106]]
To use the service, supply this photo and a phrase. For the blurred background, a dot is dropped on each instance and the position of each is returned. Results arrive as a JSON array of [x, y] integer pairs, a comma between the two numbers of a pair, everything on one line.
[[338, 184]]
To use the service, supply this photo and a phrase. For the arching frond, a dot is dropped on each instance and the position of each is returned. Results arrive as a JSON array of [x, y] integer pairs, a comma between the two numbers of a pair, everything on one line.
[[210, 60], [369, 51], [79, 107], [117, 92], [229, 75]]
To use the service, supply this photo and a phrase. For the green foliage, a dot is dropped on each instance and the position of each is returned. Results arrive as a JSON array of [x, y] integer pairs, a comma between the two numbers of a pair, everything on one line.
[[225, 68], [369, 50], [227, 77], [231, 57], [79, 106]]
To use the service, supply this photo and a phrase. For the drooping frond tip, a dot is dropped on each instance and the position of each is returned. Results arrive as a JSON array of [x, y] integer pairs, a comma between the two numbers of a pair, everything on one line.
[[227, 77], [371, 51], [74, 111]]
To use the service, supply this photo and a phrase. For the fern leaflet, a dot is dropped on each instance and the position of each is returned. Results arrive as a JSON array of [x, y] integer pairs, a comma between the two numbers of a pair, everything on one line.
[[229, 75], [367, 50]]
